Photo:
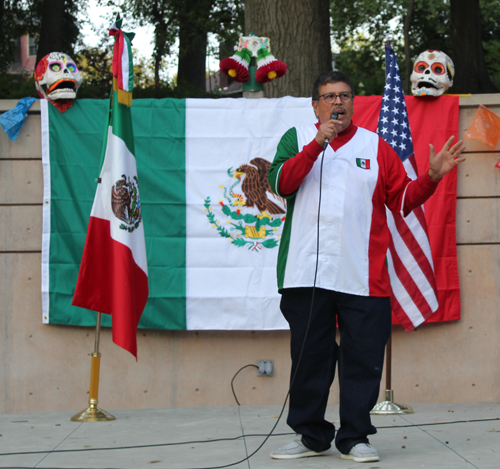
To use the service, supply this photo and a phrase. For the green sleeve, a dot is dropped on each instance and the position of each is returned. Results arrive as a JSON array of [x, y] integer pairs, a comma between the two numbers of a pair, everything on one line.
[[287, 148]]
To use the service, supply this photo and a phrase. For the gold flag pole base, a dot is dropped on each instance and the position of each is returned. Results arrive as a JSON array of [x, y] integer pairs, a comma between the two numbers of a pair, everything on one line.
[[92, 414], [389, 407]]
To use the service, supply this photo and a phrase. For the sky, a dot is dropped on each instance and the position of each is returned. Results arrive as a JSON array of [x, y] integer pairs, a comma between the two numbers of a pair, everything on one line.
[[97, 16]]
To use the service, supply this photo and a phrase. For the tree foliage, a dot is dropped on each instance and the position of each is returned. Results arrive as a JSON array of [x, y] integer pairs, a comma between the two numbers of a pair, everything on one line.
[[96, 68], [59, 28], [364, 63], [16, 18], [54, 22], [363, 27], [180, 29], [186, 24], [490, 22]]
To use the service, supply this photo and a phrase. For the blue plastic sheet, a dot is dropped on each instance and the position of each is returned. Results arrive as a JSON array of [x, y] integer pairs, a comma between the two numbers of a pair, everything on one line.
[[12, 121]]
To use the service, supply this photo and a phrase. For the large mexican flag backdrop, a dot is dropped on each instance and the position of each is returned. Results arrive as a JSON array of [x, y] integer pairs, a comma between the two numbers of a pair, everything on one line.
[[211, 240]]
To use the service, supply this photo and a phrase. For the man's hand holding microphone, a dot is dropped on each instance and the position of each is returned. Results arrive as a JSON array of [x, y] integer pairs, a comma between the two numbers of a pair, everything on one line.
[[328, 131]]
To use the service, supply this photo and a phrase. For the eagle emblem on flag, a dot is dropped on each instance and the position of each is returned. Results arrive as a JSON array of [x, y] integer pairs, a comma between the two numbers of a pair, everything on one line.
[[254, 219], [126, 203]]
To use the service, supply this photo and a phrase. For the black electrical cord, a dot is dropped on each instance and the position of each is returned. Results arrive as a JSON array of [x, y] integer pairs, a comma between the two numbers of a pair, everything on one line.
[[216, 440], [305, 335], [234, 394], [300, 354], [236, 374]]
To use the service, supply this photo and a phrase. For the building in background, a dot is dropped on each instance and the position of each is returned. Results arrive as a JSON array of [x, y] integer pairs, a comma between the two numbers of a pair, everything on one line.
[[24, 55]]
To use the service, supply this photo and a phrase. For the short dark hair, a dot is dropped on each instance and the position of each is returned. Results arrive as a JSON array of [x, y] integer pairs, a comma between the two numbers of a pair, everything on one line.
[[330, 77]]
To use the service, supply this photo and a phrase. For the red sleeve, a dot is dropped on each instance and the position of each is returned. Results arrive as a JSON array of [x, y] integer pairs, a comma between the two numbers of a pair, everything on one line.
[[418, 192], [402, 192], [295, 169]]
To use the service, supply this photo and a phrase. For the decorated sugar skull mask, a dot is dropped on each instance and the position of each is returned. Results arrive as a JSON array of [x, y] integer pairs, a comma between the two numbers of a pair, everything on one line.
[[433, 73], [57, 77]]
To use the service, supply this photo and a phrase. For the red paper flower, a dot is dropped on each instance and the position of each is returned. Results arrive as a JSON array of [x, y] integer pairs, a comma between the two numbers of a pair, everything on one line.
[[237, 65], [41, 68], [269, 67], [270, 71]]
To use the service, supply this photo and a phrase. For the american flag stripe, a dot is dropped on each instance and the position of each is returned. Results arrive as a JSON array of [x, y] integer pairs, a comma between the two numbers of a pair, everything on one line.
[[411, 298], [419, 214], [409, 312], [411, 169], [409, 258], [414, 271], [411, 166], [398, 311], [410, 238], [410, 274]]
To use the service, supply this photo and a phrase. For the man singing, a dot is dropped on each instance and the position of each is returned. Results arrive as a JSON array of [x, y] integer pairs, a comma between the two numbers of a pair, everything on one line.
[[331, 264]]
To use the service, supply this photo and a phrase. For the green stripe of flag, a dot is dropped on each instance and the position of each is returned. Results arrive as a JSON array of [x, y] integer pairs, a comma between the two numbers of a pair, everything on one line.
[[130, 77], [121, 123], [76, 139]]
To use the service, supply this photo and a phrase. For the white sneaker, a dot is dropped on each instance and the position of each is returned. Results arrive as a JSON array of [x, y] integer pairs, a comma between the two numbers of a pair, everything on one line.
[[295, 450], [362, 452]]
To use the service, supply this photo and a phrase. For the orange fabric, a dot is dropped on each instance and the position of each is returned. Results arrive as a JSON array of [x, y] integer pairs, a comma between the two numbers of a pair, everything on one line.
[[485, 126]]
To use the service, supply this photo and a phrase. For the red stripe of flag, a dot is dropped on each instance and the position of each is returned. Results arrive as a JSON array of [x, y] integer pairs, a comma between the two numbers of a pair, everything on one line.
[[409, 284], [415, 248], [111, 282], [400, 314], [117, 58]]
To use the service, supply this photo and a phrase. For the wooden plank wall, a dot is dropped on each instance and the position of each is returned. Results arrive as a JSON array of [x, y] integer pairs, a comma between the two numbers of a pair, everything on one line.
[[459, 361], [46, 368]]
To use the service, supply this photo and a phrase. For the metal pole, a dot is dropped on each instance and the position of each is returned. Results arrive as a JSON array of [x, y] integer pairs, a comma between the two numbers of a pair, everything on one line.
[[92, 413], [388, 363], [97, 333], [388, 406]]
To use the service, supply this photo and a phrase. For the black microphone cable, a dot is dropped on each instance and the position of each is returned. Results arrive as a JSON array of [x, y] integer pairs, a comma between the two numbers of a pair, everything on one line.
[[333, 116]]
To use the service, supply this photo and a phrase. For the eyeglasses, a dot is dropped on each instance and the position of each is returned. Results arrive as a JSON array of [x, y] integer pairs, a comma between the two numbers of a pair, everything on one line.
[[330, 98]]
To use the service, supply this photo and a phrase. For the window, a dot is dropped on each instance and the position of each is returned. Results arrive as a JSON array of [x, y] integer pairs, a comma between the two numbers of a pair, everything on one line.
[[32, 46]]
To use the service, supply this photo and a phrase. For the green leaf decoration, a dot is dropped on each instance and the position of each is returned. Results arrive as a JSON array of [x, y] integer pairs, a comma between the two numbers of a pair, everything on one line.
[[270, 243]]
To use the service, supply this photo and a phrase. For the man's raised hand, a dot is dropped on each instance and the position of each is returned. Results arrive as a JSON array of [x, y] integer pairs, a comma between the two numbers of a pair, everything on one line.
[[444, 161]]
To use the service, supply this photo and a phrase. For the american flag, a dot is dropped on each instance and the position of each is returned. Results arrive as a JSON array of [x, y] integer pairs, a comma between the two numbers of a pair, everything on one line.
[[409, 258]]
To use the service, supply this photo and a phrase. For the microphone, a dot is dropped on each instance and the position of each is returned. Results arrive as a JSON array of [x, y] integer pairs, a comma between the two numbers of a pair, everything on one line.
[[334, 116]]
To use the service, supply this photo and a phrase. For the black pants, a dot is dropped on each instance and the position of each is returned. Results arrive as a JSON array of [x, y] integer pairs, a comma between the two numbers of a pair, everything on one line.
[[364, 324]]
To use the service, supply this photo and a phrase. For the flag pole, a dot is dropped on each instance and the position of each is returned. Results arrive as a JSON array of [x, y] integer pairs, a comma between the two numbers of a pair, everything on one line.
[[92, 413], [389, 407]]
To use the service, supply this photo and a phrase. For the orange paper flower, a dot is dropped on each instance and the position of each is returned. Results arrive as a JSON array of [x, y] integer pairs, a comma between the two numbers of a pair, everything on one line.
[[485, 126]]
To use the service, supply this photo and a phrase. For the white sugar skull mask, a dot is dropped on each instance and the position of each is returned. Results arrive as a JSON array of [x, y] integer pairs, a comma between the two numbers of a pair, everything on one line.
[[57, 77], [433, 73]]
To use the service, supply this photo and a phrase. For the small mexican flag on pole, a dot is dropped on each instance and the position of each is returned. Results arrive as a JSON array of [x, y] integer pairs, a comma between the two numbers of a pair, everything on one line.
[[113, 277]]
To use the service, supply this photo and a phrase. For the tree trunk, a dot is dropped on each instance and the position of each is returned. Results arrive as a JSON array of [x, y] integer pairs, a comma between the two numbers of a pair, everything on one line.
[[193, 30], [300, 37], [51, 31], [471, 75], [406, 33], [6, 43], [159, 53]]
